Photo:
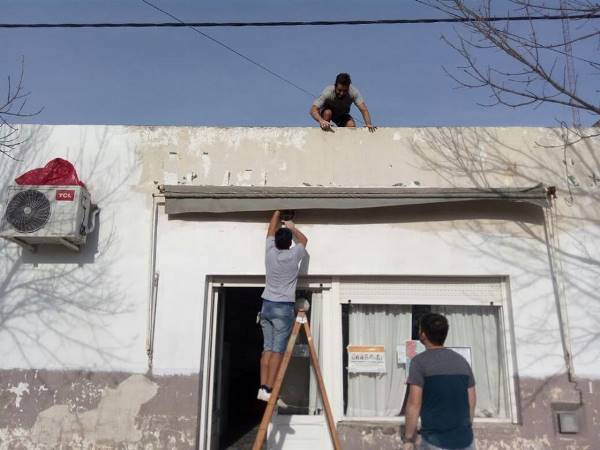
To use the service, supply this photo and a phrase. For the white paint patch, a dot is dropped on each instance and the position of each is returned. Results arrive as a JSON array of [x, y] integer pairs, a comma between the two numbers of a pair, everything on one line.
[[205, 163], [556, 393], [244, 177], [169, 178], [19, 390], [483, 156]]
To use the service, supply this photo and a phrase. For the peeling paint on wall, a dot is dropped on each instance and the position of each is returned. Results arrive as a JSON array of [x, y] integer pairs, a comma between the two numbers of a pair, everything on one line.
[[112, 421], [86, 410]]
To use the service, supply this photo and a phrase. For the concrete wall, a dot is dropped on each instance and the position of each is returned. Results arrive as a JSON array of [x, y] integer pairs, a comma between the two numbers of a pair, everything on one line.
[[72, 326]]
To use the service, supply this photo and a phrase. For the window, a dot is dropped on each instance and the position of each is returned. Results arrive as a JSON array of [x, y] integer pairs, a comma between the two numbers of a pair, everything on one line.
[[373, 394], [479, 327], [383, 313]]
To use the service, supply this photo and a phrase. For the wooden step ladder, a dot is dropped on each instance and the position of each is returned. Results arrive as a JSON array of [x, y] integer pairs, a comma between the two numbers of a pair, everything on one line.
[[301, 321]]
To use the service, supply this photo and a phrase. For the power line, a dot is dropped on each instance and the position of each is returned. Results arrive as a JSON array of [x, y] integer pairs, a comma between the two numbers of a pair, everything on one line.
[[318, 23], [227, 47]]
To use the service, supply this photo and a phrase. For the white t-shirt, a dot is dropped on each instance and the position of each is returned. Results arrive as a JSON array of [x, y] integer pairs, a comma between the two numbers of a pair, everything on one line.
[[282, 271]]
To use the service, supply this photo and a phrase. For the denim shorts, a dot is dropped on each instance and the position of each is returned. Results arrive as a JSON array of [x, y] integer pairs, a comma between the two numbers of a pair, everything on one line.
[[276, 320]]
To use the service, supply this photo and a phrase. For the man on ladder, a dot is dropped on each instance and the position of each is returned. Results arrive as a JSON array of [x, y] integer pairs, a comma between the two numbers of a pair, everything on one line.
[[277, 316]]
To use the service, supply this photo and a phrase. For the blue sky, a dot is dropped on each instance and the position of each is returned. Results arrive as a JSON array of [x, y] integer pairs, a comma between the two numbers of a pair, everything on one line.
[[176, 77]]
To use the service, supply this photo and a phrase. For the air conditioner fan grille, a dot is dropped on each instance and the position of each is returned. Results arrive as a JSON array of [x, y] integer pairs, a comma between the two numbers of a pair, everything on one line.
[[28, 211]]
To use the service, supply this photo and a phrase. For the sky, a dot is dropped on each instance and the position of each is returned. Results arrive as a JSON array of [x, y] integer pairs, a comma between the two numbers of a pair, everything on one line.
[[173, 76]]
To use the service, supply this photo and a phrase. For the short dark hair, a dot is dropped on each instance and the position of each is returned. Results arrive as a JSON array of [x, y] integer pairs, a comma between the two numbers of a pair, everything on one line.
[[343, 79], [435, 327], [283, 238]]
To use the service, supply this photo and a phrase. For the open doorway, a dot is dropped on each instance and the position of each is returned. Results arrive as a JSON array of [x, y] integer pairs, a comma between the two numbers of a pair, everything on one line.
[[238, 376], [236, 411]]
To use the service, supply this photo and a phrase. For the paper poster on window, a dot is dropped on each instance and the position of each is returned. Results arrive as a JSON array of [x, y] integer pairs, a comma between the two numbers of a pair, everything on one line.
[[465, 352], [366, 358], [413, 348], [401, 354]]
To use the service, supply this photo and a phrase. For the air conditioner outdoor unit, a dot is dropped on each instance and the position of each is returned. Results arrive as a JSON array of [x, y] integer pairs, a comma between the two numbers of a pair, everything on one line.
[[36, 215]]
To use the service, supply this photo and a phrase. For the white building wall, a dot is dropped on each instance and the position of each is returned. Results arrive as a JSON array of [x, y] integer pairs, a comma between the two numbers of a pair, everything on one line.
[[189, 251], [122, 166]]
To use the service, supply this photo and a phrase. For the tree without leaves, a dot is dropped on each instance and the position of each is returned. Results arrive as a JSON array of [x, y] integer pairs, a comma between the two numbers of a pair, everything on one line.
[[539, 67], [12, 108]]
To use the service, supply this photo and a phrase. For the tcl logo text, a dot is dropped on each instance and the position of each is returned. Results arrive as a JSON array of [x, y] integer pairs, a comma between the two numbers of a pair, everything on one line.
[[65, 195]]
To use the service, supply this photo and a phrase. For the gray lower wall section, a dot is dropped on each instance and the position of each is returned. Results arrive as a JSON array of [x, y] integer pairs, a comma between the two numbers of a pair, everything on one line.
[[113, 410], [96, 410]]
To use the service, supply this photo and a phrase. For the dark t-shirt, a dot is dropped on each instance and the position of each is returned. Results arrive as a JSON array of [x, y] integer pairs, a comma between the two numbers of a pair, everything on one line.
[[445, 377], [338, 106]]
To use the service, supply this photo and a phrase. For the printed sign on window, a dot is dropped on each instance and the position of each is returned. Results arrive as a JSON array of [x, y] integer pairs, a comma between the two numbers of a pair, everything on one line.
[[366, 358], [465, 352]]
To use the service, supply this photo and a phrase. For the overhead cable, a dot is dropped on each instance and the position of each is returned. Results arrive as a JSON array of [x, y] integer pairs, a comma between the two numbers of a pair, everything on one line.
[[311, 23], [222, 44]]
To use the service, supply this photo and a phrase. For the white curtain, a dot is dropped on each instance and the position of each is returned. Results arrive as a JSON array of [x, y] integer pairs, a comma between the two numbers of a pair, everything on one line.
[[478, 327], [378, 395], [316, 318]]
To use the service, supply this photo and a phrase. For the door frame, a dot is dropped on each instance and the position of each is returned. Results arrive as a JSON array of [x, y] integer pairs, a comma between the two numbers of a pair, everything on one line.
[[329, 363]]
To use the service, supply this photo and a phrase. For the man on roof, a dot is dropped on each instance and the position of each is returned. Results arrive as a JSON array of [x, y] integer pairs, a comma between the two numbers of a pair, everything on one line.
[[333, 105]]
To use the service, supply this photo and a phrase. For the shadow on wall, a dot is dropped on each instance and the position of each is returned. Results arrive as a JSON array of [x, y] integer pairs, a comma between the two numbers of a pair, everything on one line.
[[48, 296], [481, 159], [58, 254], [276, 439]]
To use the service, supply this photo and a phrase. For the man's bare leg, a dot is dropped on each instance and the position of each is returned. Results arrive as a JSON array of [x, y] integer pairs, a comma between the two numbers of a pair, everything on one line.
[[350, 123], [327, 114], [264, 368], [274, 363]]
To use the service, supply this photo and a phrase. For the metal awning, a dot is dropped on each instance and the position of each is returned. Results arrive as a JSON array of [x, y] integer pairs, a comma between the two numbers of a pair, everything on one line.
[[181, 199]]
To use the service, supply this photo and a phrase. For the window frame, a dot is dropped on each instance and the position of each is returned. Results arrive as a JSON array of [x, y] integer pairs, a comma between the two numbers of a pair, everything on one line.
[[332, 342], [505, 315]]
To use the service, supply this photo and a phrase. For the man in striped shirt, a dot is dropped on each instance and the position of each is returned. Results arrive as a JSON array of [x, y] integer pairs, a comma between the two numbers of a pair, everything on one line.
[[441, 391]]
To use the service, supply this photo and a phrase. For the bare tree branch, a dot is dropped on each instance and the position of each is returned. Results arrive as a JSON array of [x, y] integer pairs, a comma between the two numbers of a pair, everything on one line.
[[11, 109], [538, 68]]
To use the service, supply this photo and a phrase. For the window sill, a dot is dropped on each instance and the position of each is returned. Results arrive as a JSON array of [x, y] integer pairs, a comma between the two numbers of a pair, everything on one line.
[[395, 419], [400, 420]]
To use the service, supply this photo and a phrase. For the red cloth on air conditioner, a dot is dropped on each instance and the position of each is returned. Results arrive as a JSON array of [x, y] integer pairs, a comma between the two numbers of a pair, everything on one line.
[[57, 172]]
